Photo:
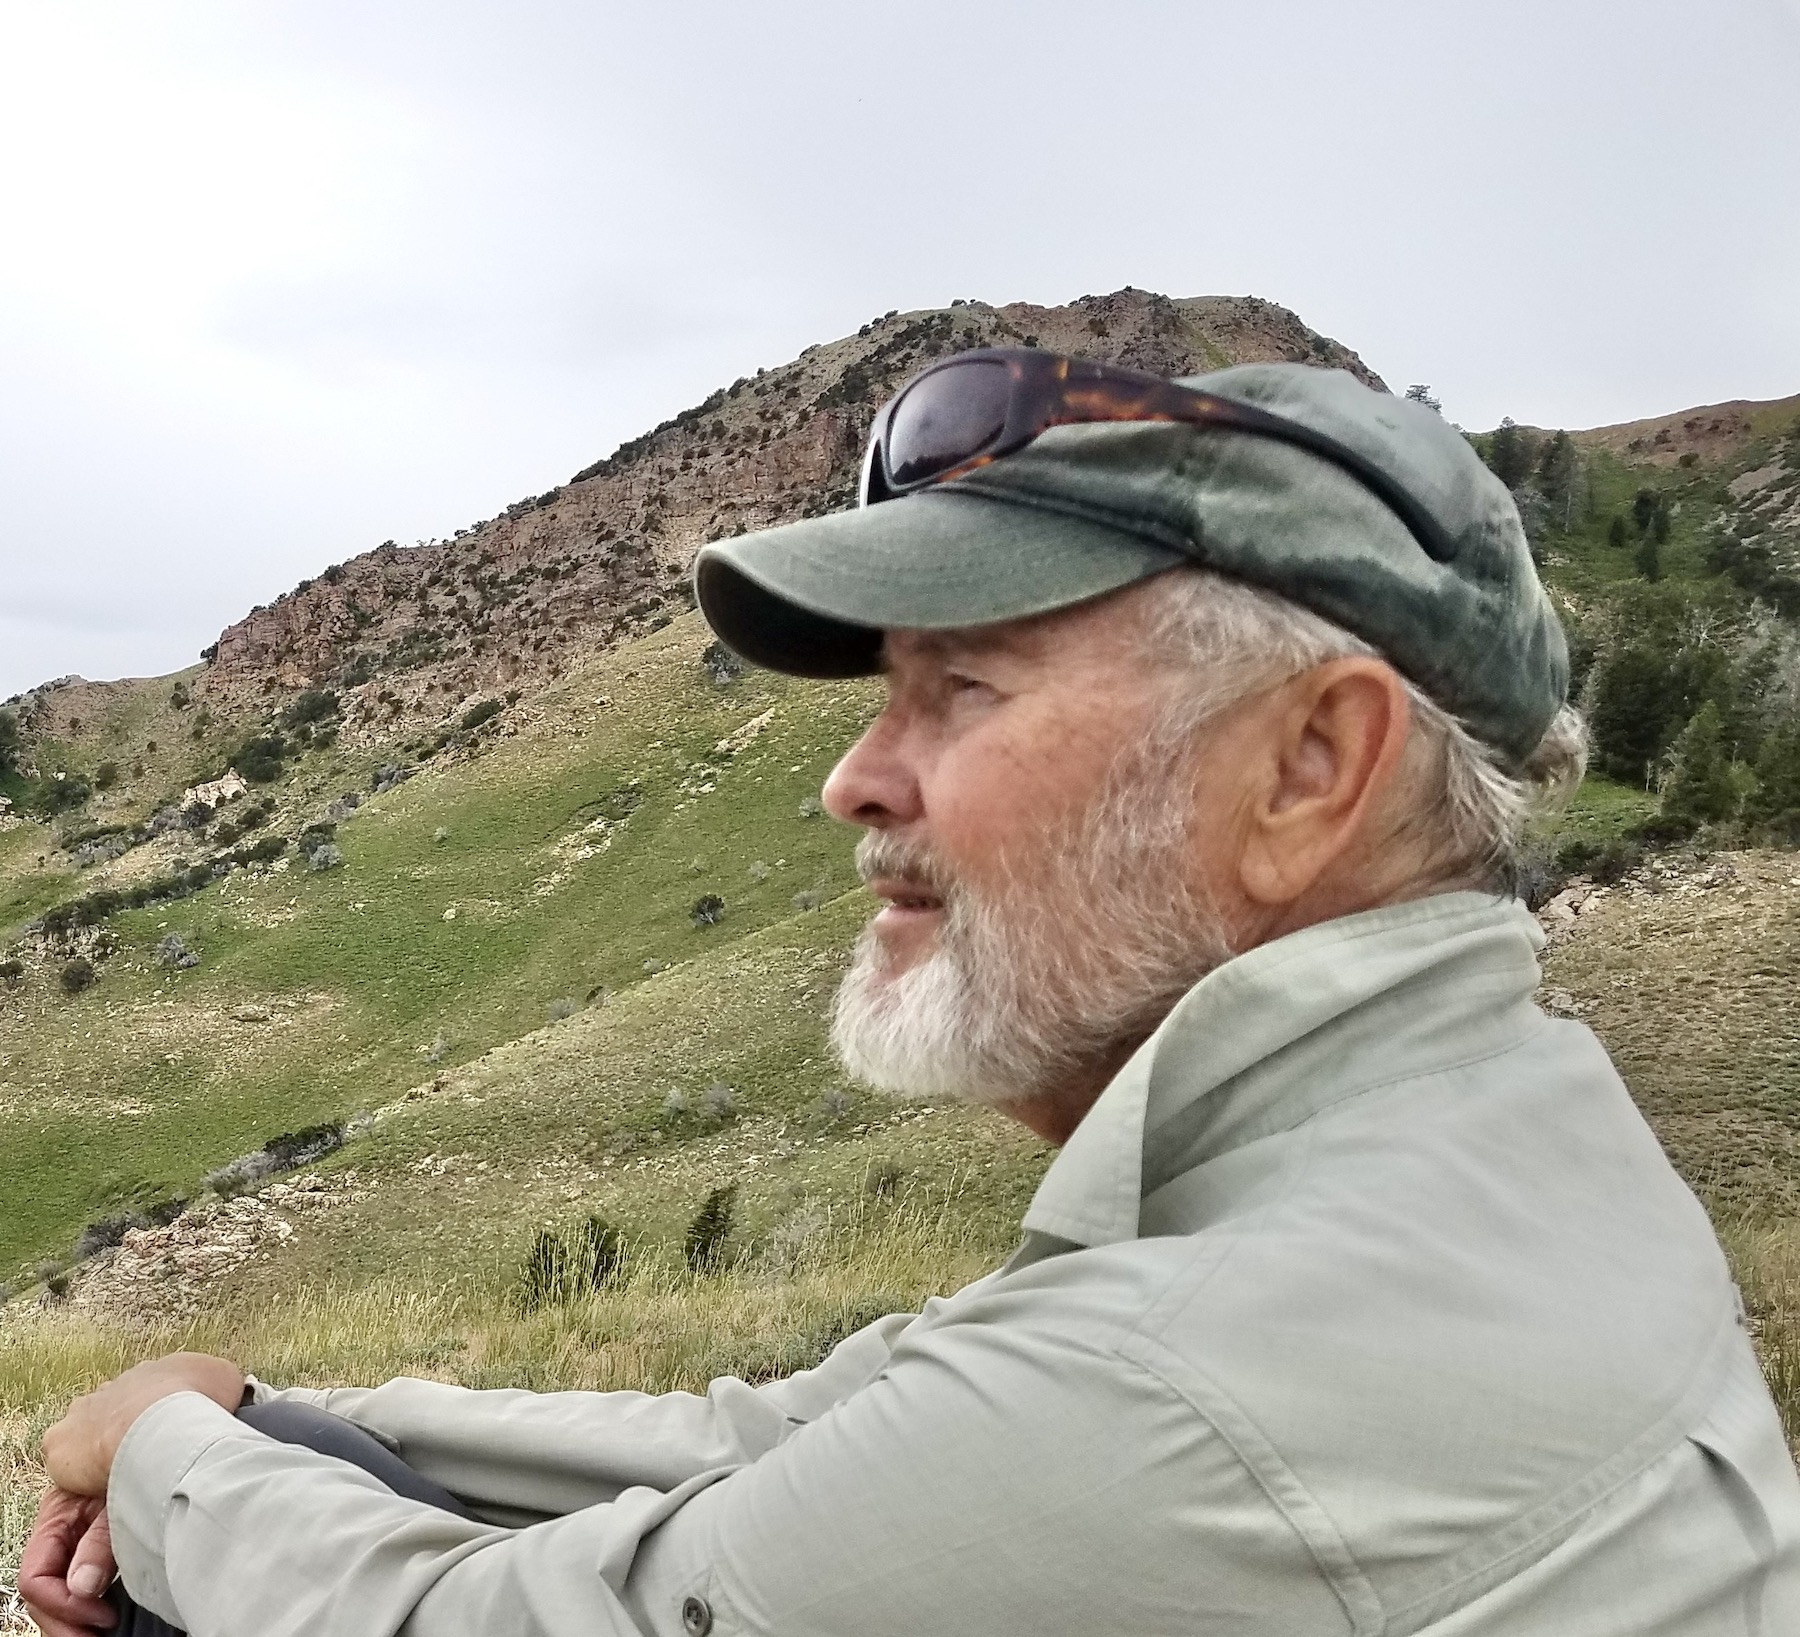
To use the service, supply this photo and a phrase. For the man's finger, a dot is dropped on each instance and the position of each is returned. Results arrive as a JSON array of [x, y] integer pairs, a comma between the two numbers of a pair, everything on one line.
[[62, 1521], [91, 1569]]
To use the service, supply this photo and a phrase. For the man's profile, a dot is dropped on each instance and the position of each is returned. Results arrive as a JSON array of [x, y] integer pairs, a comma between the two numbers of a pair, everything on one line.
[[1359, 1299]]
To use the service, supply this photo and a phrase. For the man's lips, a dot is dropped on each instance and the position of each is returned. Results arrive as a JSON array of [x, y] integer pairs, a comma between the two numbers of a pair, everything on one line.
[[905, 897]]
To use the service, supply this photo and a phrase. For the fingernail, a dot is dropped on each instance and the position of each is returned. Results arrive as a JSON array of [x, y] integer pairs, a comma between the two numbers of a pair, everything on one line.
[[88, 1580]]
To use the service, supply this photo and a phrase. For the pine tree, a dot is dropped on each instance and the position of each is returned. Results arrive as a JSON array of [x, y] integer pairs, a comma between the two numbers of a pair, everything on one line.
[[1616, 533], [1419, 393], [1631, 712], [1647, 559], [708, 1233], [1559, 475], [599, 1257], [1775, 803], [1511, 453], [1701, 789]]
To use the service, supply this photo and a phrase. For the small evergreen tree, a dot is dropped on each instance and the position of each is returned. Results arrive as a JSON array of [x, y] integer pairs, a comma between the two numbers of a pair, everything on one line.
[[708, 1233], [1700, 789], [544, 1274], [1647, 559], [1616, 532], [1559, 479], [1775, 803], [9, 741], [600, 1256], [1512, 453], [1420, 393], [1630, 713]]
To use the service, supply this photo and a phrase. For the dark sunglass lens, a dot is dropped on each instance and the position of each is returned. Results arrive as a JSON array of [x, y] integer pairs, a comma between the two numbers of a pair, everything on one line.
[[947, 418]]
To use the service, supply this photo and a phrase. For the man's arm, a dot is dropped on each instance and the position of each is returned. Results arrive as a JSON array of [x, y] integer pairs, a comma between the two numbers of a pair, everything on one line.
[[996, 1476], [519, 1457]]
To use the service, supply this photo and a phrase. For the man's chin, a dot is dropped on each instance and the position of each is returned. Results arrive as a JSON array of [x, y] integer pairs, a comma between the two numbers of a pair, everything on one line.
[[905, 938]]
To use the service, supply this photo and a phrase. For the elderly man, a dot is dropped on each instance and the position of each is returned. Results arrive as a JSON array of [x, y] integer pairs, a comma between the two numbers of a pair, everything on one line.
[[1359, 1298]]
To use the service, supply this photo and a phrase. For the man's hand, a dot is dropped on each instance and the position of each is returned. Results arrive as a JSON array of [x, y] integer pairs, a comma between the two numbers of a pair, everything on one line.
[[68, 1563], [79, 1449]]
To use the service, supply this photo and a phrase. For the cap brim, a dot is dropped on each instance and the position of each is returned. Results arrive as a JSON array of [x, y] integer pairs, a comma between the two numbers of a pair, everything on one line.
[[814, 598]]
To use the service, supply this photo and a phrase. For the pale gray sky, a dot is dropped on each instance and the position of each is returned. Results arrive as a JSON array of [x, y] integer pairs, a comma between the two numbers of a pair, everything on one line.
[[282, 280]]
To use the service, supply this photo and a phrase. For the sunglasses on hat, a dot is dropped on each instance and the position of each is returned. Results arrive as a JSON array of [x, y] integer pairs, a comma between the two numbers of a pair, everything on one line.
[[979, 406]]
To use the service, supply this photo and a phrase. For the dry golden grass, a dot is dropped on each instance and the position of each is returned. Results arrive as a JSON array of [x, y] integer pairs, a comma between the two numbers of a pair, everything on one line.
[[660, 1329], [1766, 1260]]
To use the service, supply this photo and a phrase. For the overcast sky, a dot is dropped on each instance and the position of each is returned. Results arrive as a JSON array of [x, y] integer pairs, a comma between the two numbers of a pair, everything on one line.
[[279, 281]]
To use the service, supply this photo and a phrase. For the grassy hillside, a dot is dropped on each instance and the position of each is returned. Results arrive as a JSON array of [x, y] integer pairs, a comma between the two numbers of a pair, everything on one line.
[[535, 876]]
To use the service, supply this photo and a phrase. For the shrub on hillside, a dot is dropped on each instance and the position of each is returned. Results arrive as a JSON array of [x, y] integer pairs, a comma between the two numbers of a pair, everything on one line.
[[482, 711], [182, 881], [709, 1234], [707, 911], [316, 835], [259, 759], [287, 1152], [62, 793], [77, 975], [1605, 862], [101, 849], [111, 1230], [265, 851], [328, 856], [12, 972], [314, 705], [722, 665], [561, 1267]]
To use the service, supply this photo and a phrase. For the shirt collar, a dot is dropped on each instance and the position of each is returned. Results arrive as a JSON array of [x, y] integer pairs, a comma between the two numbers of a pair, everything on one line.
[[1277, 1034]]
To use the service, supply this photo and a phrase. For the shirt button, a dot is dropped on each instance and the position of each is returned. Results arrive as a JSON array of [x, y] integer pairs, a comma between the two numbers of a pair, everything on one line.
[[696, 1616]]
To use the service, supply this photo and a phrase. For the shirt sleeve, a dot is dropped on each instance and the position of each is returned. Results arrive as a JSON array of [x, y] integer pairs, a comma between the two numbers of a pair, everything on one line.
[[993, 1476], [519, 1457]]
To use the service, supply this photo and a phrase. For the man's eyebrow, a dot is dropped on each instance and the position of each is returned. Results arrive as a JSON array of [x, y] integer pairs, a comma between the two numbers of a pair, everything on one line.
[[968, 642]]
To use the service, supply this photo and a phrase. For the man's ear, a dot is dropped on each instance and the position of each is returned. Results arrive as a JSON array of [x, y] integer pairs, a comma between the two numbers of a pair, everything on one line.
[[1333, 739]]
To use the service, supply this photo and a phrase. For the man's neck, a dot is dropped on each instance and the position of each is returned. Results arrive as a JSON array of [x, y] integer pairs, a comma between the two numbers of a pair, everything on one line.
[[1053, 1114]]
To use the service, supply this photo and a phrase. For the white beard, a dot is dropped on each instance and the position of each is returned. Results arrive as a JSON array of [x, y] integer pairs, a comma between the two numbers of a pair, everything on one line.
[[1079, 953]]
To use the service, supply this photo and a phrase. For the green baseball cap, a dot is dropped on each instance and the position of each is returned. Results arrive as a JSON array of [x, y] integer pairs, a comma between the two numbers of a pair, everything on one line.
[[1087, 509]]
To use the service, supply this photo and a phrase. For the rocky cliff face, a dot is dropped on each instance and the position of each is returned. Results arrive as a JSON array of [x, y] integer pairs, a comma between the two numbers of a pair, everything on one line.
[[406, 634]]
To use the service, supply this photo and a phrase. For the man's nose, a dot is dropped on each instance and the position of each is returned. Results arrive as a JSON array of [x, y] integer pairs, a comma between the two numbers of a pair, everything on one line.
[[874, 785]]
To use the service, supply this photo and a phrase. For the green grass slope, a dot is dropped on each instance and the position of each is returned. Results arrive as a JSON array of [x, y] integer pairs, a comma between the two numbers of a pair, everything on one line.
[[474, 901]]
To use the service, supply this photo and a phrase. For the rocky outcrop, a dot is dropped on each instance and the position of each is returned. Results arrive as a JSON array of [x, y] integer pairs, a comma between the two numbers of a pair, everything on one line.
[[407, 633]]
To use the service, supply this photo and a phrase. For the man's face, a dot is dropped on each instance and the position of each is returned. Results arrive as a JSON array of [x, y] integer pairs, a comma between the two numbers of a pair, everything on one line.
[[1033, 836]]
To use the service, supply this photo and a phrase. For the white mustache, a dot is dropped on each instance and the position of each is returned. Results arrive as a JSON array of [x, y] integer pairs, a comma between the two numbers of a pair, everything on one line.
[[879, 855]]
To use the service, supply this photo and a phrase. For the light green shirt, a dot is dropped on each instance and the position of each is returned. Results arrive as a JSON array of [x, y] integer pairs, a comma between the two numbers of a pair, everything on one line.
[[1363, 1301]]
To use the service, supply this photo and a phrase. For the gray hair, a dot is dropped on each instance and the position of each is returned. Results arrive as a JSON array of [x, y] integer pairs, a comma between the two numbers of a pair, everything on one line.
[[1466, 807]]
